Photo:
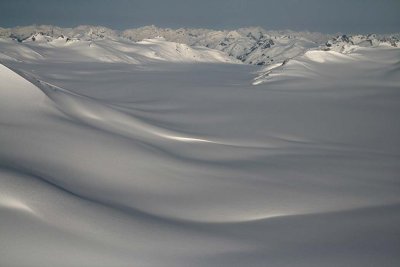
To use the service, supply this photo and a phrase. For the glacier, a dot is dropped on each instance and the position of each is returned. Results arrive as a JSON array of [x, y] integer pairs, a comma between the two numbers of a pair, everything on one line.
[[160, 147]]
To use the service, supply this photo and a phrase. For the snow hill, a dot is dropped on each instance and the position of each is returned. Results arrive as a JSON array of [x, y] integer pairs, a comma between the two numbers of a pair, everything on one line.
[[252, 45]]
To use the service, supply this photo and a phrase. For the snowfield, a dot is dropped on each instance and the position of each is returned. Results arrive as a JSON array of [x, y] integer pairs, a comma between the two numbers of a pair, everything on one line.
[[152, 152]]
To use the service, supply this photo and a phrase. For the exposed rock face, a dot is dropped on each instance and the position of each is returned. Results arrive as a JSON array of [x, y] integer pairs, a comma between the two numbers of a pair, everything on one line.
[[344, 43]]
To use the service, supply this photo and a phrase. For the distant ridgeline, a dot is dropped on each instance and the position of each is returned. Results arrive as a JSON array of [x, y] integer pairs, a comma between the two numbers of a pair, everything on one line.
[[252, 45]]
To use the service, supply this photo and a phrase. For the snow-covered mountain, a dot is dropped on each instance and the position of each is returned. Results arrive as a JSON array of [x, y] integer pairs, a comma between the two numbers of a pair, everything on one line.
[[252, 45], [41, 46], [344, 43]]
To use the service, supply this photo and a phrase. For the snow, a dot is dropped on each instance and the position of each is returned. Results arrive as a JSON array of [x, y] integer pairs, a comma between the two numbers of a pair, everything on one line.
[[106, 50], [158, 153], [252, 45]]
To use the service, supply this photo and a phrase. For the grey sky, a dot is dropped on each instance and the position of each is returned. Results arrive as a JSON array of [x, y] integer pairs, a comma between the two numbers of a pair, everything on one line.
[[351, 16]]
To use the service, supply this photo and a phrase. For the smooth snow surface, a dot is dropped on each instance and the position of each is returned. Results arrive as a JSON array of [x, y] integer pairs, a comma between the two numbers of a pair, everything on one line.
[[155, 153]]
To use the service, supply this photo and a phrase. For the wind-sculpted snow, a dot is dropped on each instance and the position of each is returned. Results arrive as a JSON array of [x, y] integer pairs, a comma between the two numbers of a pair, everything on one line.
[[154, 153]]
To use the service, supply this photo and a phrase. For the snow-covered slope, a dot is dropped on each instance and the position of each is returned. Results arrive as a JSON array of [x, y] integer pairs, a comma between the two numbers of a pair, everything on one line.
[[158, 153], [41, 46], [315, 62]]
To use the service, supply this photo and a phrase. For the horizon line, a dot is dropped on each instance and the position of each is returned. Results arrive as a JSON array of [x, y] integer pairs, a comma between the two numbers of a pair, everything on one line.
[[195, 28]]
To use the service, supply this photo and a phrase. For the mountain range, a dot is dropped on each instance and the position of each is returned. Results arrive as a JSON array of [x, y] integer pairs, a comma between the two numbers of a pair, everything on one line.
[[253, 45]]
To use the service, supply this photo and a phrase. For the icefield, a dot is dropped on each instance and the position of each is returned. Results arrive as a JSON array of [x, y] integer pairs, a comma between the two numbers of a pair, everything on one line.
[[157, 153]]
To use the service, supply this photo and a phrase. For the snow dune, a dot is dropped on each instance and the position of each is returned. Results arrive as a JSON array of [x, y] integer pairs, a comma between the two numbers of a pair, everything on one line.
[[159, 154]]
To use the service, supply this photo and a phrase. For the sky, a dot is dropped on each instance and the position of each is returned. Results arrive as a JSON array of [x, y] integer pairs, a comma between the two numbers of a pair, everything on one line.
[[328, 16]]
